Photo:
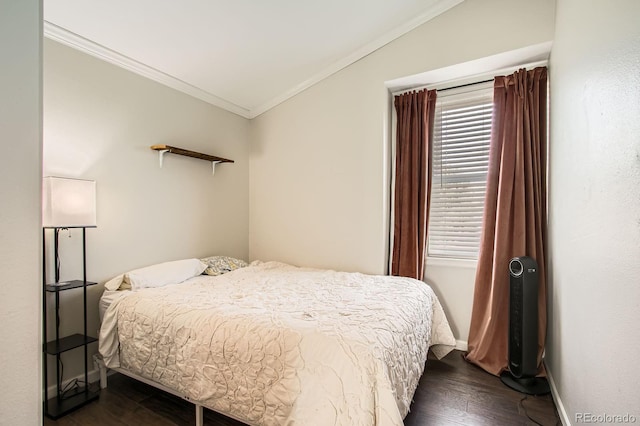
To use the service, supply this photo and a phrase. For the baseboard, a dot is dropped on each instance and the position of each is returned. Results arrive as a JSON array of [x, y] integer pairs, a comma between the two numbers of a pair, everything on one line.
[[94, 376], [562, 412], [461, 345]]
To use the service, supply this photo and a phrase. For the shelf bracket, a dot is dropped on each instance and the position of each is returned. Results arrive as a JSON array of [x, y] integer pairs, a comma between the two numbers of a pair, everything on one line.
[[161, 154], [213, 167]]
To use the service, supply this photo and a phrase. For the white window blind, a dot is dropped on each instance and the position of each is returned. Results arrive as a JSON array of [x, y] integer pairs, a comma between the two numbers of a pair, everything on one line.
[[462, 135]]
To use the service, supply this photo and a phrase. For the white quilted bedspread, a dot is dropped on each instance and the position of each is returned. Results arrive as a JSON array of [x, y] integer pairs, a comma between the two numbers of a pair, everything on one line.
[[273, 344]]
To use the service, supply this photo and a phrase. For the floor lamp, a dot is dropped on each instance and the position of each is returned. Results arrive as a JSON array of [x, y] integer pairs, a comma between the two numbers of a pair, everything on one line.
[[66, 203]]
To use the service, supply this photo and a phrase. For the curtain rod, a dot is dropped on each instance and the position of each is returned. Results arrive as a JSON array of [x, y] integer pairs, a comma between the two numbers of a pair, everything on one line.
[[464, 85], [484, 75]]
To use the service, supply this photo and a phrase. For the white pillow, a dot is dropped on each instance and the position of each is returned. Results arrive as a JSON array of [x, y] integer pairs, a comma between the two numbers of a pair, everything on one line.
[[114, 283], [158, 275]]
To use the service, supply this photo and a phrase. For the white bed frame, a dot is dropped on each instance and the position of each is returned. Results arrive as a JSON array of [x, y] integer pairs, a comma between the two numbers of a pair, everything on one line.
[[99, 363]]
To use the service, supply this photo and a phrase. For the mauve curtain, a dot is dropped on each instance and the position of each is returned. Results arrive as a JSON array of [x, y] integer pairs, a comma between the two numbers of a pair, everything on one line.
[[514, 222], [415, 112]]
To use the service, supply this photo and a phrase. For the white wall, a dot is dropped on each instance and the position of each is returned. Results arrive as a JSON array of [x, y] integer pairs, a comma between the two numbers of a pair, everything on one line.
[[99, 122], [453, 283], [20, 171], [319, 163], [594, 208]]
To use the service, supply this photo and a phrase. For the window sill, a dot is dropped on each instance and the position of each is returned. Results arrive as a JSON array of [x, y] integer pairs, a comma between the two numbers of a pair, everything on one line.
[[457, 263]]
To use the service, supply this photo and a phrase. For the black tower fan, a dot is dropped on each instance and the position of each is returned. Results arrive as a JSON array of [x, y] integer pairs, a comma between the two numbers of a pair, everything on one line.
[[523, 328]]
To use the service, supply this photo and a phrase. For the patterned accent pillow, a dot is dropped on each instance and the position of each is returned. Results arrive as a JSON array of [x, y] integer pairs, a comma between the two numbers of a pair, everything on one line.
[[218, 265]]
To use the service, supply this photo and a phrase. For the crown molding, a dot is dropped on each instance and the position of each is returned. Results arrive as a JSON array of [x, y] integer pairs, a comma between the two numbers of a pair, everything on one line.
[[89, 47]]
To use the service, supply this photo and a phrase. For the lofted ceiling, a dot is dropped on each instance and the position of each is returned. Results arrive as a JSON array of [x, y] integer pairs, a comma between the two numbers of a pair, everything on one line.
[[245, 56]]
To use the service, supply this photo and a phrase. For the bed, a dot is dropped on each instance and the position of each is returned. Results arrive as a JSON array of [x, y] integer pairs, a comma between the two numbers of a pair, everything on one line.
[[274, 344]]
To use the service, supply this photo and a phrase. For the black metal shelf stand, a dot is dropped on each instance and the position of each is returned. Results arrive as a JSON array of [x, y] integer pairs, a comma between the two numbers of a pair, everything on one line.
[[63, 403]]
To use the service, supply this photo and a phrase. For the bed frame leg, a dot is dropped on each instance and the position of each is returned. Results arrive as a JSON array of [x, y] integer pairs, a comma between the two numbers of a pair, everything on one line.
[[99, 363], [199, 415]]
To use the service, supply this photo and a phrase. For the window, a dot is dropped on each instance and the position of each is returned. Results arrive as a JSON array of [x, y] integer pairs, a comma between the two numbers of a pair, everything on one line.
[[462, 134]]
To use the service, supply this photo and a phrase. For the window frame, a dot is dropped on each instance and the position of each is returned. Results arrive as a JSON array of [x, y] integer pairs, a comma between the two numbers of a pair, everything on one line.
[[480, 92]]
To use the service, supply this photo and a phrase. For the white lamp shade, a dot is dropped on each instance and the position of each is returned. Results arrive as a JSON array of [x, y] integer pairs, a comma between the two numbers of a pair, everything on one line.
[[68, 203]]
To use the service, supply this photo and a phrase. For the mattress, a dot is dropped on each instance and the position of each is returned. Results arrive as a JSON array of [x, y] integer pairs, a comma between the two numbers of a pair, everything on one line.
[[273, 344]]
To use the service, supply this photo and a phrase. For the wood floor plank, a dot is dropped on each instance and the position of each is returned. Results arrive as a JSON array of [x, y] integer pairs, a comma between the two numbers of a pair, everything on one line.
[[63, 421], [142, 416], [452, 392], [177, 410], [94, 414]]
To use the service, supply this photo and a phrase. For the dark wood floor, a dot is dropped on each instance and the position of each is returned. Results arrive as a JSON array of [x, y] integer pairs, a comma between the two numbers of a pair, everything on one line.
[[451, 392]]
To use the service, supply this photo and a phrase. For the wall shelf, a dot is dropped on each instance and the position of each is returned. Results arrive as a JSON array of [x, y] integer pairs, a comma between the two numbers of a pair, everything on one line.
[[163, 149]]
